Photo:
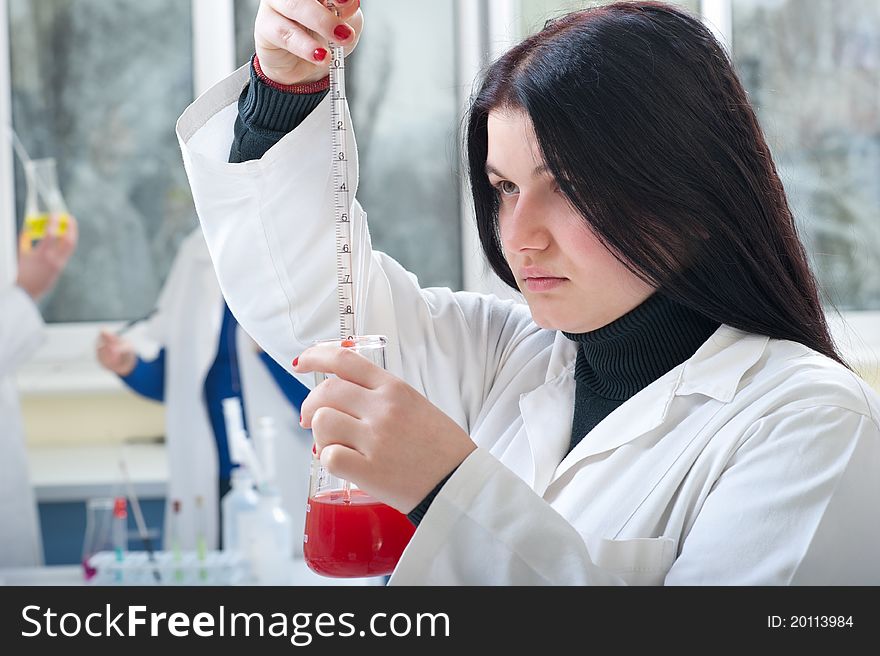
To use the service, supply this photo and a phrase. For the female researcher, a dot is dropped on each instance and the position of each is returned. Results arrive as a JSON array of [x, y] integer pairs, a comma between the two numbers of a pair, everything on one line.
[[668, 408]]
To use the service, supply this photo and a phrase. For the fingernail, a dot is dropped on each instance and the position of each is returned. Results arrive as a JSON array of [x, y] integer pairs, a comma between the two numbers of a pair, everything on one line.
[[320, 54], [295, 362], [347, 343], [342, 32], [315, 449], [342, 2]]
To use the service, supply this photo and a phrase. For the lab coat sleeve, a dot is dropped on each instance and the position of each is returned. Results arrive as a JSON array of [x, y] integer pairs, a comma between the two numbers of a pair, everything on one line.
[[22, 330], [797, 504], [269, 225], [267, 222], [802, 479], [148, 377], [488, 527]]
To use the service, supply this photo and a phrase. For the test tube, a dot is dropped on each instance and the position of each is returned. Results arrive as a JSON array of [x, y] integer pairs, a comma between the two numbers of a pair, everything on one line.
[[175, 540], [201, 546], [120, 534]]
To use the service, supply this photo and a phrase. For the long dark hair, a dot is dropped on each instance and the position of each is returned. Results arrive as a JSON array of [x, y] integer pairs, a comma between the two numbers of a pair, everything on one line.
[[645, 126]]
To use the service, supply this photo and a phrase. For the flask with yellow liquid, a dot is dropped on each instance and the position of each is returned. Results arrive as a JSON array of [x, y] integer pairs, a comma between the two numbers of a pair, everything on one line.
[[43, 200]]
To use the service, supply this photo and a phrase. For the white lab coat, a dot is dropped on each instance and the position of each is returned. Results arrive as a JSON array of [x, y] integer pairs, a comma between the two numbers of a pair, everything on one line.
[[754, 462], [21, 333], [187, 322]]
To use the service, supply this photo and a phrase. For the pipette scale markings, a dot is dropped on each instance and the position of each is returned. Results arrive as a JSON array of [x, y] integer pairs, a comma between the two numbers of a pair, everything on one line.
[[342, 187]]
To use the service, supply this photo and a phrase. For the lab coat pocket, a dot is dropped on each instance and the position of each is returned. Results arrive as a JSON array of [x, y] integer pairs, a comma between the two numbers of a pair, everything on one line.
[[638, 561]]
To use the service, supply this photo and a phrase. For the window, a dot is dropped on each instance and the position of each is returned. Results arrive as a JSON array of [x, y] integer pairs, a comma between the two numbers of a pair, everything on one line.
[[811, 68], [98, 86]]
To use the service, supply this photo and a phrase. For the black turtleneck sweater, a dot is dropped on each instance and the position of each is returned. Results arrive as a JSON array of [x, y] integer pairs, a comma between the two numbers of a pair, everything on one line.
[[620, 359], [614, 362]]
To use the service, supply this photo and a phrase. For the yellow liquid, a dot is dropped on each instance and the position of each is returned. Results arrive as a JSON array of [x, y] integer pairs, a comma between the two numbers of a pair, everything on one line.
[[36, 225]]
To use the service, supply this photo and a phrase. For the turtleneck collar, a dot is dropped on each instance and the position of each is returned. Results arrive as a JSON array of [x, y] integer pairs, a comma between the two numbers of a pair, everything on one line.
[[621, 358]]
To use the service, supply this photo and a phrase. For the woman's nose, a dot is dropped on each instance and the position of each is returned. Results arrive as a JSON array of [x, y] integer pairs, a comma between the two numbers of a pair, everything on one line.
[[523, 227]]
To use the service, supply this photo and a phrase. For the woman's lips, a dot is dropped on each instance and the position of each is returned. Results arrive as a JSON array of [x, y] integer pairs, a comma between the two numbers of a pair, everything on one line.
[[543, 284]]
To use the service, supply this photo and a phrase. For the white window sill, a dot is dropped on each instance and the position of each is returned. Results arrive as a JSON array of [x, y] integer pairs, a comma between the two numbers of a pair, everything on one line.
[[66, 365]]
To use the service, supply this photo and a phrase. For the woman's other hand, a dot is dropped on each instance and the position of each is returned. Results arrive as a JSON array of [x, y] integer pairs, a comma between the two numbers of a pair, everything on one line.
[[376, 431]]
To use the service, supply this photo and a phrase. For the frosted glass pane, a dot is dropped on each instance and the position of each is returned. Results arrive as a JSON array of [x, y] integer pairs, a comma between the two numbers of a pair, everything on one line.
[[99, 85], [812, 69], [402, 91]]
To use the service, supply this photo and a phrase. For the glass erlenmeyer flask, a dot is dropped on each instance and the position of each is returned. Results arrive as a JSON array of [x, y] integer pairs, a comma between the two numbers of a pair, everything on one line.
[[99, 532], [348, 533], [43, 200]]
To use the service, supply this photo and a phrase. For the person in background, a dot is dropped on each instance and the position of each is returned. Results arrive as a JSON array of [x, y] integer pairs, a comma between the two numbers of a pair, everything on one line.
[[21, 333], [669, 406], [204, 357]]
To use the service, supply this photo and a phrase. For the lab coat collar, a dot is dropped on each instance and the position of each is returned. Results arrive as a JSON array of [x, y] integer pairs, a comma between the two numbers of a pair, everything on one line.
[[718, 366], [715, 371]]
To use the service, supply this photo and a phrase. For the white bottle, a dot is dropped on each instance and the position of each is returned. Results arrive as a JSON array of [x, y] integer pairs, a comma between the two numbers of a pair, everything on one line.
[[267, 541], [268, 532], [241, 499]]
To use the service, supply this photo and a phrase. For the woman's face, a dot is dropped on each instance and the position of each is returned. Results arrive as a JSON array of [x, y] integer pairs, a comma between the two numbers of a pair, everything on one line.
[[569, 279]]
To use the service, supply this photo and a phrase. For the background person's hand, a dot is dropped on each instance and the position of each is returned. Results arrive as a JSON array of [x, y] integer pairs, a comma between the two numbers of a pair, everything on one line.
[[376, 431], [291, 37], [116, 353], [40, 266]]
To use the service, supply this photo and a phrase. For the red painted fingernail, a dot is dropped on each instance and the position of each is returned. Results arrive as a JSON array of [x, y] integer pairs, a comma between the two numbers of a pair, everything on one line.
[[346, 343], [320, 54], [295, 361], [315, 449], [342, 32]]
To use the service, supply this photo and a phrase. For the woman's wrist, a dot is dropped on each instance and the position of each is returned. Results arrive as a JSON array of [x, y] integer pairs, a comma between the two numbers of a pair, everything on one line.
[[416, 514], [303, 88]]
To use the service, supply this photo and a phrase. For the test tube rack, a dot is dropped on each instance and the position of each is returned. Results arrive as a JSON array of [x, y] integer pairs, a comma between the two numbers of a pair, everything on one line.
[[183, 568]]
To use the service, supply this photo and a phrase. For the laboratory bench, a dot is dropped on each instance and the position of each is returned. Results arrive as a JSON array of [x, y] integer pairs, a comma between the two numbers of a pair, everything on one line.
[[65, 478], [72, 575]]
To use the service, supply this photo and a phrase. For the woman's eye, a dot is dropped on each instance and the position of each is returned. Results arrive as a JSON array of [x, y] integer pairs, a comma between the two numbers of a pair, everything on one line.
[[507, 188]]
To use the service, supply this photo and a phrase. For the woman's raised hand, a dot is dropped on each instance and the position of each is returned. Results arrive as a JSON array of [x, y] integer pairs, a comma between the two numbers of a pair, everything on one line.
[[291, 36]]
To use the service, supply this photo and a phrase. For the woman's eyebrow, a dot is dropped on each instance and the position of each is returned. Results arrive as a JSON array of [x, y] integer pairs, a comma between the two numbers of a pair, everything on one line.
[[541, 169]]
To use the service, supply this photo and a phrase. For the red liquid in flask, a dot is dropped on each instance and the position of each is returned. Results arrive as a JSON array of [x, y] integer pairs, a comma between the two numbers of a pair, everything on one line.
[[359, 537]]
